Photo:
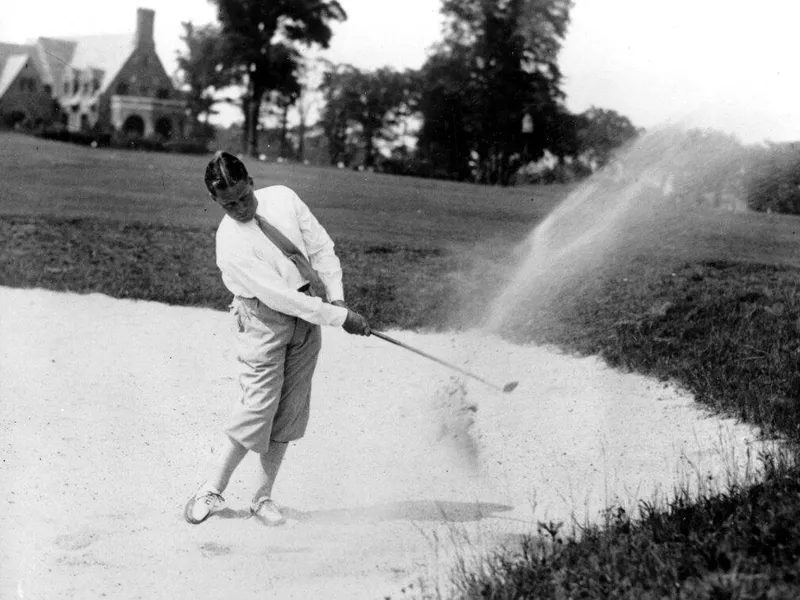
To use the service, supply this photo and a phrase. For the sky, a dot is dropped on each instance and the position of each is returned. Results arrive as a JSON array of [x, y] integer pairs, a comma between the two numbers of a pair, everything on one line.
[[727, 64]]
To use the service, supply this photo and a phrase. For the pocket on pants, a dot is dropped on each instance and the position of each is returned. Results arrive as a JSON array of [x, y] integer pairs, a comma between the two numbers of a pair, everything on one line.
[[240, 314]]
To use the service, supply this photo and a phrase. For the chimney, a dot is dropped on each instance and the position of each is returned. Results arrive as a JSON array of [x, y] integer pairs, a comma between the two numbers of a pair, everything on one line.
[[144, 27]]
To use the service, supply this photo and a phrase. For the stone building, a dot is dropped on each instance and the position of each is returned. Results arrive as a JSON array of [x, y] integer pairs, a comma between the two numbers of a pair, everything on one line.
[[102, 83]]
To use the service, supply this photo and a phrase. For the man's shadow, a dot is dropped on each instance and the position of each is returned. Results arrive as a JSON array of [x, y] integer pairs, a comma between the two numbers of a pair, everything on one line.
[[410, 510]]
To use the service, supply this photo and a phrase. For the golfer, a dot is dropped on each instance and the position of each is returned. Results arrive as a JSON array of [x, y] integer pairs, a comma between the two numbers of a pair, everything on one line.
[[271, 250]]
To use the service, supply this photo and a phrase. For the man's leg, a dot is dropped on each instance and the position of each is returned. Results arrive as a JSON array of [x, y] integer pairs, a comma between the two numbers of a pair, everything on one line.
[[230, 456], [291, 417], [209, 496], [262, 507], [270, 465]]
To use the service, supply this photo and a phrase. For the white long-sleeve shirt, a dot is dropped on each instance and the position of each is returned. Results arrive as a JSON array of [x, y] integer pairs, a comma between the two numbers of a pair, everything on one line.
[[253, 267]]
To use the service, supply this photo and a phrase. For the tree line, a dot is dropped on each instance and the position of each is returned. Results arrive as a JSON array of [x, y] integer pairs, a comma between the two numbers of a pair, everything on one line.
[[487, 101]]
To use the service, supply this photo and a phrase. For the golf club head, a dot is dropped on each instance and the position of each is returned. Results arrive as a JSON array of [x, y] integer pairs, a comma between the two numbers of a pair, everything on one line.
[[510, 387]]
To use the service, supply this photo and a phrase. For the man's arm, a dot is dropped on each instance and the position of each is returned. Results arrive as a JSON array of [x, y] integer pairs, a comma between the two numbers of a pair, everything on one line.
[[320, 249], [272, 290]]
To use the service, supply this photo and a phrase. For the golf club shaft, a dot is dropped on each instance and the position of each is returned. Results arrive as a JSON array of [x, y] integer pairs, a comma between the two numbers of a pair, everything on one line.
[[383, 336]]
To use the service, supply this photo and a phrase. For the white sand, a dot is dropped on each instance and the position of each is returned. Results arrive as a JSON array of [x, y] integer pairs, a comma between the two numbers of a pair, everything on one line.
[[109, 410]]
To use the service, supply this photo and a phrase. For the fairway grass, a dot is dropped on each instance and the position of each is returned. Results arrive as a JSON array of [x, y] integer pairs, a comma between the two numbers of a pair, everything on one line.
[[712, 305]]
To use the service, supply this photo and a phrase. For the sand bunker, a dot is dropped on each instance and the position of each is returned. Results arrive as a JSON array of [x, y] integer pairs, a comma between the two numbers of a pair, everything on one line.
[[110, 410]]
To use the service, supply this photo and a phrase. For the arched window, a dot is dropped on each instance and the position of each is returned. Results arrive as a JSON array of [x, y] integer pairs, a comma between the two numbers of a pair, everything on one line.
[[133, 126]]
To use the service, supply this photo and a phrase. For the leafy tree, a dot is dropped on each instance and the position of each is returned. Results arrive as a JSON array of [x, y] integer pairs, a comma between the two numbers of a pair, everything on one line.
[[602, 131], [255, 30], [287, 66], [202, 69], [496, 65], [446, 104], [369, 103], [336, 115]]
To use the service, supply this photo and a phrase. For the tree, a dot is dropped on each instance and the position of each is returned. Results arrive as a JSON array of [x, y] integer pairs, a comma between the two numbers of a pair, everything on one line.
[[336, 115], [445, 102], [201, 69], [602, 131], [496, 65], [369, 103], [287, 67], [254, 28]]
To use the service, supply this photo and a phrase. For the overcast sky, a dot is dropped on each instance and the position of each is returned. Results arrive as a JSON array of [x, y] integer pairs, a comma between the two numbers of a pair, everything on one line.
[[730, 64]]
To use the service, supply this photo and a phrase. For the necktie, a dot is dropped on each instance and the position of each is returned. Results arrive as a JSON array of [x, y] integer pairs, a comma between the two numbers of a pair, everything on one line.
[[293, 253]]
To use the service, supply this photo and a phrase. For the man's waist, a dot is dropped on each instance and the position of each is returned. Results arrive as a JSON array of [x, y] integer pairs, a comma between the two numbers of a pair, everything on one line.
[[303, 289]]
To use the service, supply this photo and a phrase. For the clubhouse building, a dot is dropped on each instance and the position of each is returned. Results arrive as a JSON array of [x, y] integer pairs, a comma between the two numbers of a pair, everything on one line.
[[110, 83]]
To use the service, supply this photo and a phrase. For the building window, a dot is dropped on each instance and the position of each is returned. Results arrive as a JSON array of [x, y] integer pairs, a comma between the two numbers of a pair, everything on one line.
[[122, 89], [48, 89], [162, 93], [95, 85], [66, 87]]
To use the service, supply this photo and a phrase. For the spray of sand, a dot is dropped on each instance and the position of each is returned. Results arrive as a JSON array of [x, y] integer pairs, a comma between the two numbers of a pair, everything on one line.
[[654, 185], [652, 189], [455, 418]]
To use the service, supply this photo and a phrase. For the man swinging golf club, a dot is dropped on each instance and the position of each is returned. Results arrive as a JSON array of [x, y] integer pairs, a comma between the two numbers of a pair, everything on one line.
[[273, 255]]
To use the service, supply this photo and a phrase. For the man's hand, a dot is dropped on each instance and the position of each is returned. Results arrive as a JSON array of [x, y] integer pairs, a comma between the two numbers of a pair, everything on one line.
[[355, 323]]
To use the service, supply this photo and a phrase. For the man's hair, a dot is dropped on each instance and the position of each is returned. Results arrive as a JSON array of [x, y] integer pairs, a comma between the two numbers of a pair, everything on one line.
[[224, 171]]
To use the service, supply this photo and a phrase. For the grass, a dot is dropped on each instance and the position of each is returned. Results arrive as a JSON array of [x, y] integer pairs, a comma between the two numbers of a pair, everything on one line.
[[710, 303]]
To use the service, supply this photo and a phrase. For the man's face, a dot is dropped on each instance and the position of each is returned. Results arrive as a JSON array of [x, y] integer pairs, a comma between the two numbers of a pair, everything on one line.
[[238, 201]]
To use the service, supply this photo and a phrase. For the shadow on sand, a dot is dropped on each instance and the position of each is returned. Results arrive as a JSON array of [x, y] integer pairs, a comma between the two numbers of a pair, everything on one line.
[[412, 510]]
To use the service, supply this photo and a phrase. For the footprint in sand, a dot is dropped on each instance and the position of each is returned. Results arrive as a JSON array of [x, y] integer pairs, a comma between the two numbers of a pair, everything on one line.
[[76, 541], [213, 549]]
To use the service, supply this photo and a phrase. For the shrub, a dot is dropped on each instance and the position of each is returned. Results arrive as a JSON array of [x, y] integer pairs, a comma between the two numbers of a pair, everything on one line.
[[137, 143], [193, 146], [83, 138]]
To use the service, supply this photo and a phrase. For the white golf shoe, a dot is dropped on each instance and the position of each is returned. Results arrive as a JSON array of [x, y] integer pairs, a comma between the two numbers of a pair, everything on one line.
[[202, 505], [266, 511]]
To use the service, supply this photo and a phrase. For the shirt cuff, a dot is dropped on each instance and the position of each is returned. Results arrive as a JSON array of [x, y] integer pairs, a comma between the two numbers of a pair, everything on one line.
[[338, 315]]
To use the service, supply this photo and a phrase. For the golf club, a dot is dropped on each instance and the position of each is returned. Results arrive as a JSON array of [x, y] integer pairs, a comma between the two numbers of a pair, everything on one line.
[[509, 387]]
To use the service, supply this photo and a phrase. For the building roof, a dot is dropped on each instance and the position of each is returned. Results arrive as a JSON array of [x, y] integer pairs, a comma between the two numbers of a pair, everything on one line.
[[106, 53], [9, 70], [55, 56]]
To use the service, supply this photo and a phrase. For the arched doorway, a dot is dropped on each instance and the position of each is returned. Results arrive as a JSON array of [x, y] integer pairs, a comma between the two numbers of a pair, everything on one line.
[[164, 128], [15, 119], [133, 126]]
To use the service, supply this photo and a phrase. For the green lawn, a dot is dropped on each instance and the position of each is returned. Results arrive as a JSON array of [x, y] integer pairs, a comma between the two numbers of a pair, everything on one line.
[[48, 178], [708, 300]]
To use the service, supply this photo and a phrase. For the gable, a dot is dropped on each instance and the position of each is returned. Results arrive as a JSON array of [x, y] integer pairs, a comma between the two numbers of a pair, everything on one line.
[[143, 74], [10, 70], [55, 57], [106, 53]]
